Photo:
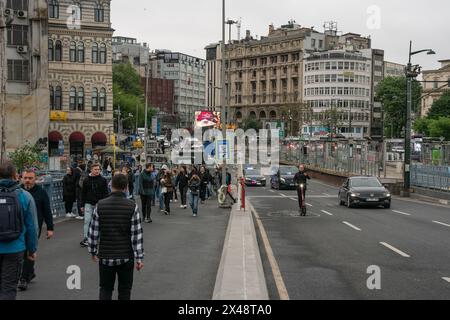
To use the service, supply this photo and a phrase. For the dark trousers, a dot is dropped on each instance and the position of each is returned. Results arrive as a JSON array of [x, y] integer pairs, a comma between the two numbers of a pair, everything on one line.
[[146, 206], [300, 196], [174, 194], [10, 267], [27, 268], [203, 192], [69, 205], [124, 275], [183, 193], [167, 197], [79, 204]]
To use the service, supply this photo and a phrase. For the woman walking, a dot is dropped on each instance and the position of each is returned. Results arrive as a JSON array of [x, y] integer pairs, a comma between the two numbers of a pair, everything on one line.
[[204, 179], [167, 190], [194, 193], [182, 182], [69, 192], [146, 191], [174, 178]]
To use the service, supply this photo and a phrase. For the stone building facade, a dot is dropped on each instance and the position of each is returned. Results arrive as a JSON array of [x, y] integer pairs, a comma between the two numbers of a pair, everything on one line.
[[23, 80], [435, 85], [80, 76]]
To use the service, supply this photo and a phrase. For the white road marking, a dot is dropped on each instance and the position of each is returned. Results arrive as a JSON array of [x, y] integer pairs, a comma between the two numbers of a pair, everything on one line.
[[351, 226], [395, 250], [283, 195], [326, 194], [446, 279], [309, 205], [272, 191], [326, 212], [403, 213], [293, 199], [441, 223]]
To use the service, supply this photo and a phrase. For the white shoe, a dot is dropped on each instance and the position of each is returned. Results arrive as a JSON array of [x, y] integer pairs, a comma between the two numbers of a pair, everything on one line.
[[79, 218], [69, 215], [181, 206]]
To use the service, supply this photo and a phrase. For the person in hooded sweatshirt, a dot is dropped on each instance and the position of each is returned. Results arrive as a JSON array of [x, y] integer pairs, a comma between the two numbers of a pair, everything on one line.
[[95, 188], [146, 191]]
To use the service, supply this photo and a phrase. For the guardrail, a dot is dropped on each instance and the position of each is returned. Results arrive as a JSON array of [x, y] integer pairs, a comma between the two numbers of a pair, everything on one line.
[[431, 177]]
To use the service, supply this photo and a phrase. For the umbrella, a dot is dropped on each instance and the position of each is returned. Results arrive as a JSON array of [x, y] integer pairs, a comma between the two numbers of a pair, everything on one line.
[[110, 149]]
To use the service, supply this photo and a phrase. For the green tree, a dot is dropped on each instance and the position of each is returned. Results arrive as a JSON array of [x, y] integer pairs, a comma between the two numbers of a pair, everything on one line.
[[440, 128], [392, 93], [441, 107], [129, 95], [27, 156], [252, 123], [422, 126]]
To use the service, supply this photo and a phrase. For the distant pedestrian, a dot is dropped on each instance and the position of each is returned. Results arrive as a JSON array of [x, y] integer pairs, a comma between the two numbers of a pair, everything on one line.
[[167, 190], [130, 177], [81, 175], [18, 235], [69, 192], [174, 178], [44, 213], [194, 193], [116, 240], [146, 191], [137, 173], [182, 181], [159, 176], [95, 188], [204, 180]]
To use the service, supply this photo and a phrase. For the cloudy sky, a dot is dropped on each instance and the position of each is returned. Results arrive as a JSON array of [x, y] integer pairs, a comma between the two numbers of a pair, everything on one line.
[[189, 25]]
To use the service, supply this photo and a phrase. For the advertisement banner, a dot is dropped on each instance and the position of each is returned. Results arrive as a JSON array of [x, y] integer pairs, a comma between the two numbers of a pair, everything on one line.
[[207, 119]]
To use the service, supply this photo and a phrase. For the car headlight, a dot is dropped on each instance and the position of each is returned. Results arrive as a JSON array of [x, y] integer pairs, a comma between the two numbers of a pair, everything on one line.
[[283, 180], [387, 194], [263, 179], [248, 179], [355, 194]]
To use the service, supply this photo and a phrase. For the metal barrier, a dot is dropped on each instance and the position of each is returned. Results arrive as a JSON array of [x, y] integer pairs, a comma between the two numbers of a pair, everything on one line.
[[432, 177]]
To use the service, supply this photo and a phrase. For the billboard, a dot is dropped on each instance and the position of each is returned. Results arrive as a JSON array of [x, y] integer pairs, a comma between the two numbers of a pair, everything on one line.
[[207, 119]]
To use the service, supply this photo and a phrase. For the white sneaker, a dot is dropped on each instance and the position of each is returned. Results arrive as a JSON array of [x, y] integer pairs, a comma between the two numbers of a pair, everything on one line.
[[69, 215], [181, 206], [79, 218]]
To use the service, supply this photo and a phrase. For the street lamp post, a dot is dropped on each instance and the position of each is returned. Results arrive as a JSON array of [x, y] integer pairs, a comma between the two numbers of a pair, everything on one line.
[[411, 73], [146, 111], [223, 94]]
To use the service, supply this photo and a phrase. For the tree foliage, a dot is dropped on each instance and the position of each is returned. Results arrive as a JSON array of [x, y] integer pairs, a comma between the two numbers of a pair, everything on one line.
[[392, 93], [252, 123], [27, 156], [441, 107]]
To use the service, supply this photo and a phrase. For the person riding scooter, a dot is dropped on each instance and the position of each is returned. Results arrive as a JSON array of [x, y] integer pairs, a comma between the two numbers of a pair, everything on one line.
[[300, 179]]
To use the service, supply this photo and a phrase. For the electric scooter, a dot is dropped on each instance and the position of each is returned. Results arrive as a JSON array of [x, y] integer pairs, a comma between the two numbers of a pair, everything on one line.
[[303, 201]]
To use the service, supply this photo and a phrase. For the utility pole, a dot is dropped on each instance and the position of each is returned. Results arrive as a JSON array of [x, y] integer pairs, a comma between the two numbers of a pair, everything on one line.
[[224, 91], [146, 110], [4, 23]]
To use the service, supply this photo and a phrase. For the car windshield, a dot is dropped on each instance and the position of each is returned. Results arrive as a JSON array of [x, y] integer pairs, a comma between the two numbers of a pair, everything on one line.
[[288, 171], [365, 182], [252, 172]]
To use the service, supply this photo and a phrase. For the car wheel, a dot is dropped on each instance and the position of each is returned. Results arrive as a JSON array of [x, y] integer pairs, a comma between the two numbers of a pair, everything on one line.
[[349, 202], [387, 206], [341, 203]]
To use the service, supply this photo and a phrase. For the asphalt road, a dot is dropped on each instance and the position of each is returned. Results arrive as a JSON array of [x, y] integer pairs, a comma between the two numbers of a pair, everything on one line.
[[182, 258], [326, 255]]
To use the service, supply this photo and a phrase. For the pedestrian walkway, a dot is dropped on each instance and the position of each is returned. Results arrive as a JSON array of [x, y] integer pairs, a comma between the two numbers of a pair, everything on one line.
[[182, 258]]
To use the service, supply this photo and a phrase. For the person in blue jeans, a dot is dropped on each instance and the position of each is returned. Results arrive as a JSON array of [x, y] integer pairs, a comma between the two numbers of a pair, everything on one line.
[[194, 193], [160, 175]]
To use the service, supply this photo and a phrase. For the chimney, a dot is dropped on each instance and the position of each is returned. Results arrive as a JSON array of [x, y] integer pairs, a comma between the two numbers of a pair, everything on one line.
[[271, 29]]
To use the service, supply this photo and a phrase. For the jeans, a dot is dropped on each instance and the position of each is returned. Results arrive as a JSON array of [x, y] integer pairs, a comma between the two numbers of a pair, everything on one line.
[[161, 199], [167, 197], [10, 267], [88, 211], [183, 192], [27, 269], [124, 274], [146, 206], [193, 202]]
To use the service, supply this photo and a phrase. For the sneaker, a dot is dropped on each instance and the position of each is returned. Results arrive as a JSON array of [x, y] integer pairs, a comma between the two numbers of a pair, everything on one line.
[[23, 285], [181, 206], [146, 220], [150, 221], [176, 200], [194, 215], [69, 215], [33, 276], [79, 218], [84, 243]]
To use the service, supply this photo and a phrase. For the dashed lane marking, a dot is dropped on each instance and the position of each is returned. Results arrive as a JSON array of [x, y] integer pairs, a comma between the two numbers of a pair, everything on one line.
[[403, 213], [326, 212], [351, 226], [387, 245], [441, 223]]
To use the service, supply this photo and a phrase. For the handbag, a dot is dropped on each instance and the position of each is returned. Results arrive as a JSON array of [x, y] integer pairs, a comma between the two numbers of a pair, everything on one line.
[[164, 190]]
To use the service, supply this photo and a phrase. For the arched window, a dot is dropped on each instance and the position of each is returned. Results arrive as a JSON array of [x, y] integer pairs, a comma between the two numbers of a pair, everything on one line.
[[253, 114], [58, 51], [51, 52], [80, 99], [273, 115], [95, 52], [262, 115], [80, 52], [73, 99], [52, 98], [103, 53], [53, 9], [238, 115], [58, 98], [73, 52], [99, 13], [102, 99], [94, 99]]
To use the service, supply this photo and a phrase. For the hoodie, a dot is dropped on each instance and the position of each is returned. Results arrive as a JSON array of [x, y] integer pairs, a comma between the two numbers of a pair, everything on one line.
[[28, 238]]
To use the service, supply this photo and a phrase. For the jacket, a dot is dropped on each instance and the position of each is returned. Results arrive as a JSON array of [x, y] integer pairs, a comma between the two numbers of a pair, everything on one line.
[[94, 189], [69, 187], [301, 178], [28, 238], [147, 182], [167, 183], [182, 180], [44, 211], [194, 186]]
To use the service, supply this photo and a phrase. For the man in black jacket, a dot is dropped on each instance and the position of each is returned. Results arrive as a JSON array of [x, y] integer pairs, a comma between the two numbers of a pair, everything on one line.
[[301, 178], [95, 188], [44, 213]]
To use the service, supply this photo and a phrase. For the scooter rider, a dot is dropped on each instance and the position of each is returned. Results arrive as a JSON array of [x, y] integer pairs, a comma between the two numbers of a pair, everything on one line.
[[301, 178]]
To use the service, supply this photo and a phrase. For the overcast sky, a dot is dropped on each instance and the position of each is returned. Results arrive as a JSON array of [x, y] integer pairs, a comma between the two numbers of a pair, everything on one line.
[[189, 25]]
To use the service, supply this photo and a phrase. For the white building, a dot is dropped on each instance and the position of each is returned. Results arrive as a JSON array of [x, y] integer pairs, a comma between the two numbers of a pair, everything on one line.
[[342, 81], [128, 50]]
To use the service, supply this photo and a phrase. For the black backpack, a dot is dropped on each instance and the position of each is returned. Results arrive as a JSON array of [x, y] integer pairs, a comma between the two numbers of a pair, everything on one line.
[[11, 218]]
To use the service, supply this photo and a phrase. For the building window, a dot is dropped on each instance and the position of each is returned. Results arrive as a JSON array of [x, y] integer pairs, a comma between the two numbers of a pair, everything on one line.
[[94, 99], [17, 35], [80, 99], [103, 53], [17, 4], [58, 98], [102, 99], [73, 52], [94, 52], [51, 52], [58, 50], [53, 9], [52, 98], [80, 52], [99, 13], [18, 70], [73, 99]]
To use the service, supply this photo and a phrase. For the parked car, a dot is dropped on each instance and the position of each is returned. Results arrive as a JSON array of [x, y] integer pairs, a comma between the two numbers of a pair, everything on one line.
[[284, 178], [364, 191], [253, 177]]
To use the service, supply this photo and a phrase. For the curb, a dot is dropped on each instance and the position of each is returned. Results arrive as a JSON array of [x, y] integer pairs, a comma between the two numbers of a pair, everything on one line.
[[240, 275]]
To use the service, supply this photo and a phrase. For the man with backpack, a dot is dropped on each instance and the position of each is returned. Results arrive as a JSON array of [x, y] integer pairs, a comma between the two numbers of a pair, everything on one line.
[[18, 230], [44, 213]]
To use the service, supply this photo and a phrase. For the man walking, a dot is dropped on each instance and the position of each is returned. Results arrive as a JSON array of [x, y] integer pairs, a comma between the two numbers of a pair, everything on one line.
[[44, 213], [147, 191], [95, 188], [18, 230], [116, 240]]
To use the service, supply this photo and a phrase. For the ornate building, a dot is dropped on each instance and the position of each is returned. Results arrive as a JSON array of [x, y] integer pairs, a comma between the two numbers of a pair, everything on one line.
[[438, 81], [80, 76]]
